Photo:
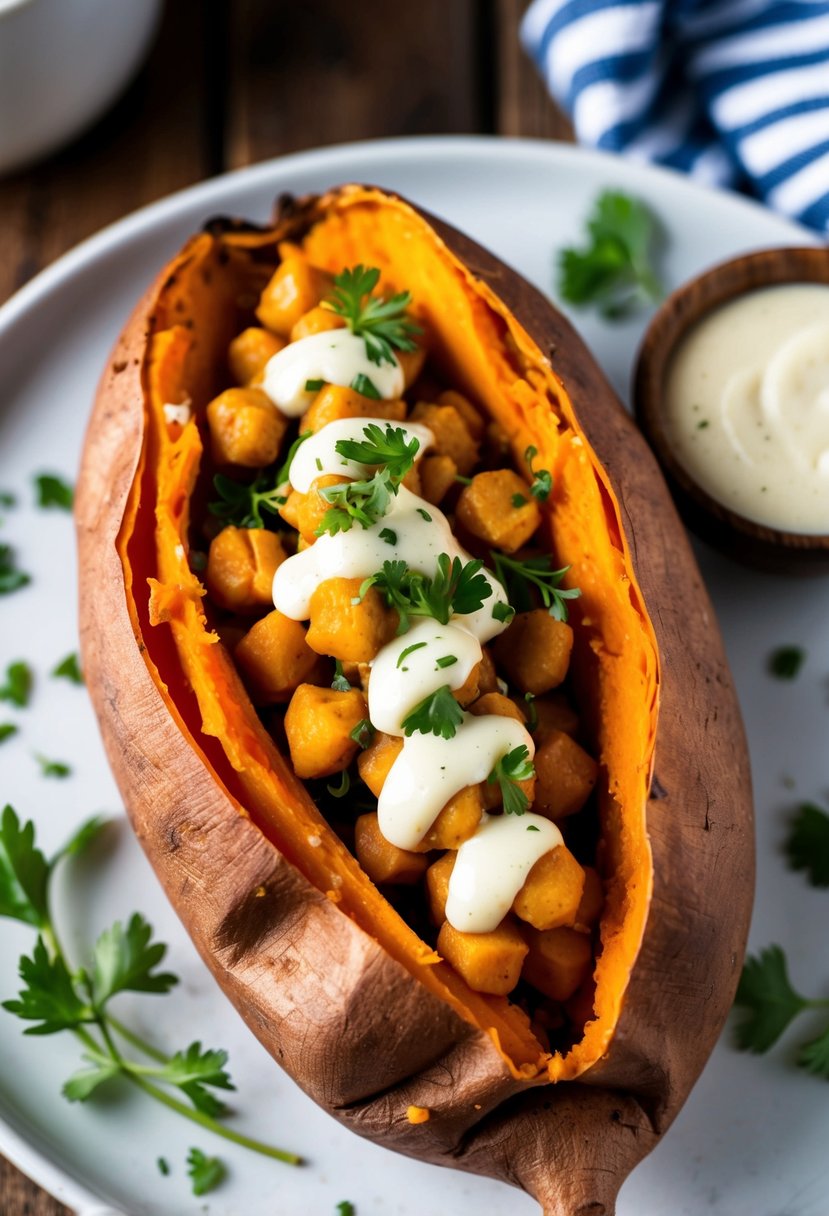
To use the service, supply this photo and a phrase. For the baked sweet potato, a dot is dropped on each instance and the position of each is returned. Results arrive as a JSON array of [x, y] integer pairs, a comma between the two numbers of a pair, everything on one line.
[[317, 960]]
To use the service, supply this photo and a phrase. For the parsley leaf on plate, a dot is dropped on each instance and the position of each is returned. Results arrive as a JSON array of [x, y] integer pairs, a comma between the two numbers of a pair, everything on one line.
[[205, 1172], [786, 661], [766, 994], [11, 579], [53, 491], [614, 271], [68, 669], [124, 961], [18, 685], [807, 844]]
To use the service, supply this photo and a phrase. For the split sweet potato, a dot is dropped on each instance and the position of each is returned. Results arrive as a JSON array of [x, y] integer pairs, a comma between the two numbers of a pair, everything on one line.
[[314, 956]]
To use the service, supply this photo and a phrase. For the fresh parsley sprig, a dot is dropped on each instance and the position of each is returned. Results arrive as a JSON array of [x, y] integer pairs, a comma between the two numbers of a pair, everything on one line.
[[513, 767], [771, 1004], [205, 1173], [523, 576], [614, 271], [542, 479], [366, 501], [390, 447], [457, 587], [56, 996], [381, 323], [807, 843], [242, 503], [438, 714]]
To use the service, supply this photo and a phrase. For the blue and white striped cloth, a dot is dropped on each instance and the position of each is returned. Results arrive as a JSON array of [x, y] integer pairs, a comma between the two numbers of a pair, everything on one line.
[[734, 92]]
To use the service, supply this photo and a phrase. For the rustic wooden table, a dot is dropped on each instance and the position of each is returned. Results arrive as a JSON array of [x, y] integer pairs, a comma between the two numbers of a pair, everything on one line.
[[231, 82]]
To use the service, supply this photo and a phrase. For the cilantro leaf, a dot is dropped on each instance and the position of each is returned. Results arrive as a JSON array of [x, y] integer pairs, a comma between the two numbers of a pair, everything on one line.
[[11, 579], [521, 577], [438, 714], [49, 997], [513, 766], [123, 961], [24, 873], [381, 323], [767, 996], [205, 1172], [457, 587], [18, 686], [615, 270], [68, 669], [390, 448], [83, 1083], [786, 662], [53, 491], [807, 844]]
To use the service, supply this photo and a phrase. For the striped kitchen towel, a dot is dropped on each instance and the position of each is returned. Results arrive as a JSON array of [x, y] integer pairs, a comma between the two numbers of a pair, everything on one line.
[[734, 92]]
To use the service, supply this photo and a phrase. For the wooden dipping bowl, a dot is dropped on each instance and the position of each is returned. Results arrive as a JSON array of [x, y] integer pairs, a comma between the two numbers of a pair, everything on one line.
[[743, 539]]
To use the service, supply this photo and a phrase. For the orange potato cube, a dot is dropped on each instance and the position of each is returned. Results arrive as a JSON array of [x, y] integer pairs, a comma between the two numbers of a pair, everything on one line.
[[552, 891], [487, 675], [437, 886], [592, 900], [456, 822], [246, 428], [335, 402], [554, 712], [565, 776], [250, 351], [471, 416], [487, 508], [382, 860], [289, 511], [318, 724], [437, 476], [374, 764], [241, 564], [294, 289], [452, 435], [489, 962], [496, 703], [316, 321], [411, 362], [274, 658], [469, 690], [580, 1006], [558, 961], [535, 651], [347, 627], [311, 507]]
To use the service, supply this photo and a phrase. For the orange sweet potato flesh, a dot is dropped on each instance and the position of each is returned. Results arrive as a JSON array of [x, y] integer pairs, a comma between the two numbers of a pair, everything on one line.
[[313, 956]]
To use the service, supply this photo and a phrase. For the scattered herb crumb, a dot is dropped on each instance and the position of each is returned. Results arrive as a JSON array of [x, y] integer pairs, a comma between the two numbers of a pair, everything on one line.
[[53, 491], [7, 500], [807, 843], [52, 768], [18, 686], [346, 1208], [11, 579], [206, 1173], [68, 669], [163, 1166], [786, 661], [702, 424], [7, 729]]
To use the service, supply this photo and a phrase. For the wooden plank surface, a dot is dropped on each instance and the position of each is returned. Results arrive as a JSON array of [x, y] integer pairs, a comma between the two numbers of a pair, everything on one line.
[[231, 82]]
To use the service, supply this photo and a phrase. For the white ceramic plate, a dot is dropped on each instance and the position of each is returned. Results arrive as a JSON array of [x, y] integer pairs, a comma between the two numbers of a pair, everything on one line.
[[752, 1138]]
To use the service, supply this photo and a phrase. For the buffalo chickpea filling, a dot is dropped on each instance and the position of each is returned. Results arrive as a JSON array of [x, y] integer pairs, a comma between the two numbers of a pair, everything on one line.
[[371, 568]]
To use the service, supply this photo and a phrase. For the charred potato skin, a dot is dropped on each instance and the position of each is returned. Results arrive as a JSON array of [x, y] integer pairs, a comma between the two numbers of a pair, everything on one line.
[[258, 922]]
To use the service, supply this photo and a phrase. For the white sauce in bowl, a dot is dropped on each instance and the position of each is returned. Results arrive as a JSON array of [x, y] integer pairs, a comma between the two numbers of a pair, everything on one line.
[[746, 406]]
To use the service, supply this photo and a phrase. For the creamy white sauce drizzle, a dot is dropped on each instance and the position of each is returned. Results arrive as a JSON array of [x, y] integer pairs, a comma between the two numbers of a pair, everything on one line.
[[747, 406], [414, 666], [318, 454], [492, 867], [336, 356], [430, 770]]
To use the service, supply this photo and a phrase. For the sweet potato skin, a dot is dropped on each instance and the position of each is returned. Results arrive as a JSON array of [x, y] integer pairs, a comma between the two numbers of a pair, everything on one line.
[[262, 949]]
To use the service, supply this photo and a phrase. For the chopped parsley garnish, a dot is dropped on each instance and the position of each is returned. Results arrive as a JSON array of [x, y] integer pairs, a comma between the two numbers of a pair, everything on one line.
[[18, 686], [542, 482], [382, 324], [11, 579], [448, 660], [242, 503], [340, 790], [163, 1166], [7, 499], [389, 536], [532, 712], [438, 714], [424, 514], [363, 733], [339, 683], [390, 447], [205, 1172], [518, 500], [615, 270], [53, 491], [7, 729], [786, 661], [807, 844], [68, 669], [770, 1003], [365, 386], [52, 768], [361, 502], [503, 612], [521, 576], [314, 386], [409, 650], [457, 587], [345, 1208], [514, 766], [531, 827]]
